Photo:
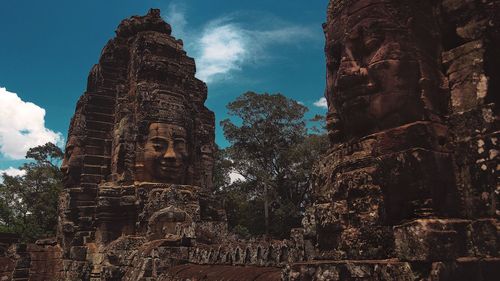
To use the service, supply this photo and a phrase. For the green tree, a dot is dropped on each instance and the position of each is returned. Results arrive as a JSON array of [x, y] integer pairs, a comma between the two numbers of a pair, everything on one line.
[[28, 204], [222, 169], [270, 147]]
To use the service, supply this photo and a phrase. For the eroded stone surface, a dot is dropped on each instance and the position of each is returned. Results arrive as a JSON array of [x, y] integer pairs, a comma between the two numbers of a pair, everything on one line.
[[382, 69], [408, 191], [412, 175], [140, 127]]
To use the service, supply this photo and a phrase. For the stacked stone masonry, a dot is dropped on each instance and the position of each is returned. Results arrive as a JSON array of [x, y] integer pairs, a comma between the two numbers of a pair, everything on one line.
[[409, 189]]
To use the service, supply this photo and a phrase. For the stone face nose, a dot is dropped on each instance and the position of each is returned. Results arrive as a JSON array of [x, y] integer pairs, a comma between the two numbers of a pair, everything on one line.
[[353, 77], [170, 152]]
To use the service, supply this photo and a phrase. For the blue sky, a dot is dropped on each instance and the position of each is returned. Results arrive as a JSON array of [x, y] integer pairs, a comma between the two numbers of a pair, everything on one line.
[[48, 47]]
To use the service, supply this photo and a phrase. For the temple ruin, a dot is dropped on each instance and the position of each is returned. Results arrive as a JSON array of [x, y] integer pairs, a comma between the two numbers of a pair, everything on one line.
[[408, 190]]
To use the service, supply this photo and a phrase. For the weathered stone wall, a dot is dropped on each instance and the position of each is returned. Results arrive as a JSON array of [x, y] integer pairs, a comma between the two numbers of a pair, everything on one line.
[[472, 67], [41, 261], [412, 175], [145, 230], [7, 261], [46, 261]]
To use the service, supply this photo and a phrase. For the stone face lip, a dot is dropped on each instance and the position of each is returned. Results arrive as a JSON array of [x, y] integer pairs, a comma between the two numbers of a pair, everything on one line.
[[150, 22]]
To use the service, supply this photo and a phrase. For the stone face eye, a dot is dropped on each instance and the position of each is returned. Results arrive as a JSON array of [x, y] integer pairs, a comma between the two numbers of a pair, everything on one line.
[[179, 142], [159, 146], [180, 145], [373, 37]]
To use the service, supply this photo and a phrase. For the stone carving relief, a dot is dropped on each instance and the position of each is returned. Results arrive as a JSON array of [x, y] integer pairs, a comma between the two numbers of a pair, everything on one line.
[[381, 68], [72, 164], [165, 154]]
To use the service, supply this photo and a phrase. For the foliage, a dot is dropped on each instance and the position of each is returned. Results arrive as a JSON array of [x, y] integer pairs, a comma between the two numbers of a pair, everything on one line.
[[245, 216], [28, 204], [48, 154], [271, 148], [271, 125], [222, 169]]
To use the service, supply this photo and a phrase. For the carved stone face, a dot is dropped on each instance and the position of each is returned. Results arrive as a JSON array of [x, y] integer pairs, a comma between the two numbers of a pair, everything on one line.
[[166, 154], [72, 163], [374, 76]]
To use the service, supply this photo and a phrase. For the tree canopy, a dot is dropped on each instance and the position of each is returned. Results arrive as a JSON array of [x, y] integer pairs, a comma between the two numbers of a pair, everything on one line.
[[28, 204], [270, 147]]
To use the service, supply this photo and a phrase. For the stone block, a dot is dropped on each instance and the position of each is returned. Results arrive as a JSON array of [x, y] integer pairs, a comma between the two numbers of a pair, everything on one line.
[[78, 253], [379, 270], [484, 238], [431, 239]]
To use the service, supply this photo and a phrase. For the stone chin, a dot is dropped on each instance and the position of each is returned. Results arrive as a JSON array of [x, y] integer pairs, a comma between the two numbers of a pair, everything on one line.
[[170, 174]]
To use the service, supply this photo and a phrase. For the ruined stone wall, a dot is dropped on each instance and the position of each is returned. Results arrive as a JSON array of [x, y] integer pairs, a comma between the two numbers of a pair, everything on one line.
[[7, 261], [472, 67], [40, 261]]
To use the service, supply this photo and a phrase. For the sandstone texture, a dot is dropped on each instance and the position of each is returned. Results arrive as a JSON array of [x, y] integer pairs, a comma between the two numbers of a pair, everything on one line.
[[408, 190]]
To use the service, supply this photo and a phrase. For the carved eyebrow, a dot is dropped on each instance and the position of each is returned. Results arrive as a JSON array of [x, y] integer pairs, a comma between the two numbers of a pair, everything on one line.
[[178, 133]]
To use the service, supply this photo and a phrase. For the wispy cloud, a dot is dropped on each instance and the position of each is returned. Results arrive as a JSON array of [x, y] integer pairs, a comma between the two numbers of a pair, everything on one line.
[[321, 103], [22, 126], [176, 17], [221, 50], [227, 44], [11, 171]]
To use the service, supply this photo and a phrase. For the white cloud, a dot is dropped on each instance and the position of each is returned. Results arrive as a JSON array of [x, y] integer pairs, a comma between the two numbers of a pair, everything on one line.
[[177, 19], [22, 126], [11, 172], [226, 46], [321, 103], [222, 49]]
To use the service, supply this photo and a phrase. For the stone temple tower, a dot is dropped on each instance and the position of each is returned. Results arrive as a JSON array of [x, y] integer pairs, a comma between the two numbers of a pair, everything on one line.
[[140, 126]]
